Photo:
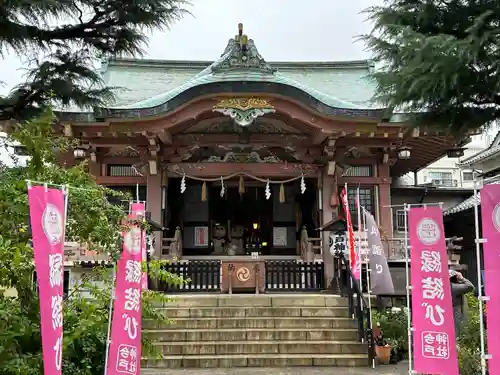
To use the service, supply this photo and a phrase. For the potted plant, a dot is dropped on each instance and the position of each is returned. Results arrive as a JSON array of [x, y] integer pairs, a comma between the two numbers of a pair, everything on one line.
[[383, 348], [394, 325]]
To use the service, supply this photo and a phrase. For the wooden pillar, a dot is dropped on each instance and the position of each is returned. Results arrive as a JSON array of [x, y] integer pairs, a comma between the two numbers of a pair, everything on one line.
[[153, 205], [384, 199]]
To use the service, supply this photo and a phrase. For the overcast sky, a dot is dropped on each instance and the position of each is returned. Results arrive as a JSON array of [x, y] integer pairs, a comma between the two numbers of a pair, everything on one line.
[[293, 30]]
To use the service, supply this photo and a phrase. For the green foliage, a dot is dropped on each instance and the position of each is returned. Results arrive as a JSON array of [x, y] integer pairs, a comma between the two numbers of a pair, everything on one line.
[[439, 57], [394, 325], [63, 39], [469, 339], [91, 219]]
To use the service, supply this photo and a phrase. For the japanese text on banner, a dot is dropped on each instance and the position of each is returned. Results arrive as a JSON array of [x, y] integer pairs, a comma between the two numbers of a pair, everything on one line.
[[125, 346], [432, 313], [490, 215], [47, 210]]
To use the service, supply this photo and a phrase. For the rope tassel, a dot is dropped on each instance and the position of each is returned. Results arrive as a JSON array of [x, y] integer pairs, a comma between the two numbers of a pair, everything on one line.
[[204, 192], [282, 193], [241, 186]]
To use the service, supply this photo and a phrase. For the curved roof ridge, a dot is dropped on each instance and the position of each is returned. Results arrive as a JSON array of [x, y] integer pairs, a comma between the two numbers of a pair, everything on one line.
[[240, 62], [318, 94], [204, 78]]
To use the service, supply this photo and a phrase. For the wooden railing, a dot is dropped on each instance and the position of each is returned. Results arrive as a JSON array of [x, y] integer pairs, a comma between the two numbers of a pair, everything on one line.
[[172, 246], [309, 246], [394, 248], [198, 276], [294, 276]]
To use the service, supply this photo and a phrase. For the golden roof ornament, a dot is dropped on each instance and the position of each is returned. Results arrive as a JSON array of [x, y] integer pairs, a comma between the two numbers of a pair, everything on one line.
[[241, 54], [244, 111]]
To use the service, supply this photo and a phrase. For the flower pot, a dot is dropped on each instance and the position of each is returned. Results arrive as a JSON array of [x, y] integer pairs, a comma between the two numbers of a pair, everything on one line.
[[383, 354]]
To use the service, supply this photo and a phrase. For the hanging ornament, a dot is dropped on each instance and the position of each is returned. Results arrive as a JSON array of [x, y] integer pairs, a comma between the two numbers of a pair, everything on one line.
[[241, 186], [302, 185], [282, 193], [204, 192], [222, 188], [183, 184], [268, 190]]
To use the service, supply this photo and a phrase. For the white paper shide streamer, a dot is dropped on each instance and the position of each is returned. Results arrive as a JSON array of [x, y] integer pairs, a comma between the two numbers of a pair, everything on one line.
[[302, 185], [183, 184], [222, 187], [268, 190]]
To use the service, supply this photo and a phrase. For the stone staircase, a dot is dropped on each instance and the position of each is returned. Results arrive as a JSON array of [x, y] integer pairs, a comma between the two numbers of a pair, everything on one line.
[[256, 331]]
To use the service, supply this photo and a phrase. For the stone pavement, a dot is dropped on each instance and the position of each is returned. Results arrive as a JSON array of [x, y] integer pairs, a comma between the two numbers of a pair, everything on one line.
[[399, 369]]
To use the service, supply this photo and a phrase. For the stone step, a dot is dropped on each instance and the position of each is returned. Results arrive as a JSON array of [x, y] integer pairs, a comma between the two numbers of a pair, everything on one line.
[[252, 300], [253, 322], [253, 334], [201, 312], [256, 360], [261, 347]]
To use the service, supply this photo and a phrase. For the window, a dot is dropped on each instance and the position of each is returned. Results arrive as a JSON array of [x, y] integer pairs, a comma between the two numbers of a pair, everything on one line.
[[467, 176], [399, 220], [442, 178], [122, 170], [366, 200], [359, 171]]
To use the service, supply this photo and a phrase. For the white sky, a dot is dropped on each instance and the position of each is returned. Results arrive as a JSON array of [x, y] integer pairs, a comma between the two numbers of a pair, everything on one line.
[[284, 30]]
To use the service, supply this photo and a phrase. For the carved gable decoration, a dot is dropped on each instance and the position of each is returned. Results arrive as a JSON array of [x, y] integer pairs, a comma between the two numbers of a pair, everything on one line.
[[244, 111], [241, 53]]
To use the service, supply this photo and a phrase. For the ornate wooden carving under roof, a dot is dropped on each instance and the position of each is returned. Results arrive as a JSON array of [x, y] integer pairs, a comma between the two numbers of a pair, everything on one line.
[[244, 111], [123, 151], [241, 154], [221, 126]]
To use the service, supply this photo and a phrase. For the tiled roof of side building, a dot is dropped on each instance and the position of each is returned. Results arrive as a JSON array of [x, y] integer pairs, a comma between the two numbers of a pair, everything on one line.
[[491, 150]]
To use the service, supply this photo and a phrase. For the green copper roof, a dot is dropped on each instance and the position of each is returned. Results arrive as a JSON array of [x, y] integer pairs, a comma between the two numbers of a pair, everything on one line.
[[237, 66]]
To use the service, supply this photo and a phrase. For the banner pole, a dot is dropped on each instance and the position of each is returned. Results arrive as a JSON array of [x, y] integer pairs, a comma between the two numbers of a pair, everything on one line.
[[478, 242], [110, 316], [368, 282], [358, 207], [137, 192], [407, 269]]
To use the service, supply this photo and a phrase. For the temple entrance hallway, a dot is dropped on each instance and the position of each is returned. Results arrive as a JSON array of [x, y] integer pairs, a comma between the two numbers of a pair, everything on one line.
[[241, 217]]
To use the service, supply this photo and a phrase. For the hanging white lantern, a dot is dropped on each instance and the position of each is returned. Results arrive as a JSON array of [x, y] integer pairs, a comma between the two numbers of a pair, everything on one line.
[[268, 190], [302, 185], [183, 184], [222, 188]]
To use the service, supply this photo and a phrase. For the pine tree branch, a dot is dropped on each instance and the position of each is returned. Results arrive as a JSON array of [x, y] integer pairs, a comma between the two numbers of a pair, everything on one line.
[[101, 28]]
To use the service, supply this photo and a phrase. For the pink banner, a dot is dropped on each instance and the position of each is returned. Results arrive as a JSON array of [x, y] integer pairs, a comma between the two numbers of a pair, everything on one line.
[[353, 254], [47, 226], [434, 340], [138, 209], [490, 212], [125, 345]]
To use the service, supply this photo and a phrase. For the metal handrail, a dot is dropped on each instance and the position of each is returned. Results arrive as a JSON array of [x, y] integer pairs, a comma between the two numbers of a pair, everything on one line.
[[360, 310]]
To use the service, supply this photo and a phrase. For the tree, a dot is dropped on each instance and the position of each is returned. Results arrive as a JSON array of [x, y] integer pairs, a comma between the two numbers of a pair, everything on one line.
[[439, 59], [91, 219], [62, 56]]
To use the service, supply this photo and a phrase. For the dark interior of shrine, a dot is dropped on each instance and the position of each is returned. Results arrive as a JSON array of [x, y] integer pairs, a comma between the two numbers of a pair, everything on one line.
[[248, 216]]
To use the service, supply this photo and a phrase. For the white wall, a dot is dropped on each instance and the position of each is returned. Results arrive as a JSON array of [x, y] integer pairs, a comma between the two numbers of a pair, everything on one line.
[[447, 167]]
